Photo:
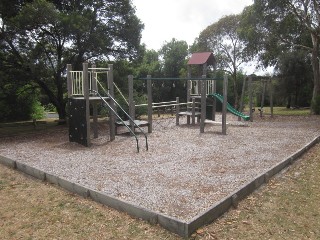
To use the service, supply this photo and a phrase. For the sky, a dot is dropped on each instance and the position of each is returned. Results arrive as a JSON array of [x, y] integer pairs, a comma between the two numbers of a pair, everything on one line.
[[181, 19]]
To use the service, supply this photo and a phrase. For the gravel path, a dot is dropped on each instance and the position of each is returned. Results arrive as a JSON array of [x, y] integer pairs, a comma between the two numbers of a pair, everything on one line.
[[183, 173]]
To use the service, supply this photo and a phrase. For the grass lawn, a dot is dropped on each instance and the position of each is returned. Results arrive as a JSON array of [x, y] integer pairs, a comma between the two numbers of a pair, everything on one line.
[[283, 111]]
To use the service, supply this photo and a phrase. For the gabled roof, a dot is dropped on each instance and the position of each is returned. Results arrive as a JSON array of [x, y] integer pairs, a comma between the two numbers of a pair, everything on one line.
[[202, 58]]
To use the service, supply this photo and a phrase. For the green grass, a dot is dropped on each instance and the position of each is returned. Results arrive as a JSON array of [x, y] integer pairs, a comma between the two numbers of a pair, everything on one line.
[[283, 111]]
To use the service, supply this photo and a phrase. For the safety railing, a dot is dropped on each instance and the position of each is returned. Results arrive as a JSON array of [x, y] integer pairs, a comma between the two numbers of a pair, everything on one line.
[[195, 87], [77, 83], [131, 121]]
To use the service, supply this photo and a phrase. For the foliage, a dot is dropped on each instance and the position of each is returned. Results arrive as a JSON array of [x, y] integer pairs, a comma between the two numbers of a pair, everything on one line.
[[16, 103], [273, 27], [149, 65], [40, 37], [173, 55], [295, 80], [38, 111], [50, 108]]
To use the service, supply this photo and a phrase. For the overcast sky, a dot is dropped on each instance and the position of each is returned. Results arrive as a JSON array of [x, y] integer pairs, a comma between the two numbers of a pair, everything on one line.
[[181, 19]]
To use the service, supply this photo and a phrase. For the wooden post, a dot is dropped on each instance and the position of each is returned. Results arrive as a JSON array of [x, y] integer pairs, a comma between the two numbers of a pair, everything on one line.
[[262, 97], [94, 103], [214, 102], [271, 97], [250, 98], [177, 110], [69, 80], [224, 105], [131, 102], [242, 96], [203, 103], [86, 98], [112, 118], [94, 85], [149, 89], [193, 111], [189, 84], [204, 70]]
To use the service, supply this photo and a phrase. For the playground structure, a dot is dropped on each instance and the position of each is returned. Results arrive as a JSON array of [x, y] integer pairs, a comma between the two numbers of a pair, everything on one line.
[[85, 89], [198, 88]]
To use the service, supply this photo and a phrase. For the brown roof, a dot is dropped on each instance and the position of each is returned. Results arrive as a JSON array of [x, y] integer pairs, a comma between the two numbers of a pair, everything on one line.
[[201, 58]]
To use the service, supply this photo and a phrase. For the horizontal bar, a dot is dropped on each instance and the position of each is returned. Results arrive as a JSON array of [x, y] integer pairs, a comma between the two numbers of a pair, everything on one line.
[[163, 102], [160, 106], [107, 69], [177, 79], [157, 106]]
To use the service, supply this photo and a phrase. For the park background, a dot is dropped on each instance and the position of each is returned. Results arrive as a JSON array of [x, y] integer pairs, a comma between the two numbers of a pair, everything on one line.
[[39, 38]]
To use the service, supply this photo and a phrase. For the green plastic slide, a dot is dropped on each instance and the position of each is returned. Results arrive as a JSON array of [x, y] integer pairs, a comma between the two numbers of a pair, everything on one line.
[[229, 107]]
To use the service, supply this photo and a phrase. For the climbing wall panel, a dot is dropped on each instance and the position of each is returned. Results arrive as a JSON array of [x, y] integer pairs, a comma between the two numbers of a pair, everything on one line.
[[78, 122]]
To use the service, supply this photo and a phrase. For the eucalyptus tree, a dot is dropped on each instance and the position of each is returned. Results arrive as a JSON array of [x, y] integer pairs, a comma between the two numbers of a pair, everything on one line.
[[42, 36], [272, 27], [223, 40]]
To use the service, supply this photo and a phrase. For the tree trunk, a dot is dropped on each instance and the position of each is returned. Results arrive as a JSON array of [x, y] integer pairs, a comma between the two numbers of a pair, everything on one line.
[[62, 113], [316, 73]]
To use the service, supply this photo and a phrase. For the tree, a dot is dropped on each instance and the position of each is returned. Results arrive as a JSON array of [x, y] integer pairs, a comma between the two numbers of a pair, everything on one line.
[[272, 26], [43, 36], [223, 40], [295, 79], [149, 65], [173, 55]]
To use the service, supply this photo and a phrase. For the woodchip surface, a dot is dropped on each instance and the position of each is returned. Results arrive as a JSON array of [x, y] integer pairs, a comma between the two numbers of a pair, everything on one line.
[[183, 173]]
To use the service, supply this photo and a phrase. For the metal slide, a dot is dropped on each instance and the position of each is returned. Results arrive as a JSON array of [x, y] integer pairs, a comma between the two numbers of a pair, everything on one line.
[[229, 107], [122, 121]]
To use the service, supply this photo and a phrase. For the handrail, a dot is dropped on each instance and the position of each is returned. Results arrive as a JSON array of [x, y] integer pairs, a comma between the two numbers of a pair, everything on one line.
[[108, 95], [118, 89]]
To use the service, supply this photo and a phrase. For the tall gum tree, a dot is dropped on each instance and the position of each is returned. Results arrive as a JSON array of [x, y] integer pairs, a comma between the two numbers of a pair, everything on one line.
[[223, 40]]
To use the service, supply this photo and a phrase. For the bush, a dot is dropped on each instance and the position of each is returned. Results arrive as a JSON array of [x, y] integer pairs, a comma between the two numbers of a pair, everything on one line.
[[38, 111]]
